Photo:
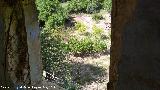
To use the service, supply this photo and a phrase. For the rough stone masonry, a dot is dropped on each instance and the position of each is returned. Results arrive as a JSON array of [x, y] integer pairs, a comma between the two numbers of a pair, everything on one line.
[[135, 49]]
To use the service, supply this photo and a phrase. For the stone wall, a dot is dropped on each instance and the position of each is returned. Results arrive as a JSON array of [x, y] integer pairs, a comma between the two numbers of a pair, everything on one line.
[[135, 49], [20, 61]]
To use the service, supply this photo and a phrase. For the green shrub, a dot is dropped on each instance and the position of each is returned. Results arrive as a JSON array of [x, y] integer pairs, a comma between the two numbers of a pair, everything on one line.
[[99, 45], [74, 45], [97, 17], [97, 30], [54, 53], [94, 6], [51, 12], [88, 34], [89, 6], [107, 4], [109, 35], [104, 37], [83, 46], [80, 27], [86, 45], [77, 5]]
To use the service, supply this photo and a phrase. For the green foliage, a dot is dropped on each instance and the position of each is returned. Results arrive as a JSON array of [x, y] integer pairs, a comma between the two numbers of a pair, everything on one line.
[[97, 17], [77, 5], [54, 12], [94, 6], [83, 46], [51, 12], [105, 37], [97, 30], [88, 34], [89, 6], [54, 48], [109, 35], [68, 85], [80, 27], [99, 45], [107, 4], [86, 45], [53, 54]]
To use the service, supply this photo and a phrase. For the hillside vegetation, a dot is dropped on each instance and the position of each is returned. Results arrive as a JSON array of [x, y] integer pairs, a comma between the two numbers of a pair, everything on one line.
[[75, 42]]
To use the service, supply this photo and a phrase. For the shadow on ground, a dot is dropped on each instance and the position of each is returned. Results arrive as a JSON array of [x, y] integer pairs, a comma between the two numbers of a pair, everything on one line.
[[86, 73]]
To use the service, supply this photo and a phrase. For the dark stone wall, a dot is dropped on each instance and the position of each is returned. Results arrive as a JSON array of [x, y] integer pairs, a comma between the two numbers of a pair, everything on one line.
[[20, 60], [2, 52], [138, 65]]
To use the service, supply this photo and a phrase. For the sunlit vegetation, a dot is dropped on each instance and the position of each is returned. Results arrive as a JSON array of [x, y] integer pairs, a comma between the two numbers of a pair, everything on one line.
[[59, 43]]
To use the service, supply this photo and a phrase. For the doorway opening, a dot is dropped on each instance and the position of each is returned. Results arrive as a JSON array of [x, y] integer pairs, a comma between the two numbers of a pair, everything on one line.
[[75, 42]]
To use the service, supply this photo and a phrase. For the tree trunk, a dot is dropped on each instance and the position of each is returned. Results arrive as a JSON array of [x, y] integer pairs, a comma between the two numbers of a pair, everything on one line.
[[20, 62]]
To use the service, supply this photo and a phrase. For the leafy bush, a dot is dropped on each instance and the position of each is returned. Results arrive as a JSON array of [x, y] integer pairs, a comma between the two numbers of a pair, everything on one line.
[[89, 6], [97, 30], [97, 17], [99, 45], [94, 6], [54, 58], [107, 4], [86, 45], [109, 35], [105, 37], [83, 46], [80, 27], [51, 12], [77, 5], [88, 34]]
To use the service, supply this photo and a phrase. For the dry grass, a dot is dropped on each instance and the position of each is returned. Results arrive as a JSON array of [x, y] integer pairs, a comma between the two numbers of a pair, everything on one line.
[[91, 73]]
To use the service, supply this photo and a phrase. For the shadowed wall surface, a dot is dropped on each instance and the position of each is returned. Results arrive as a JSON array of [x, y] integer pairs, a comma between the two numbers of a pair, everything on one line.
[[20, 62], [135, 50]]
